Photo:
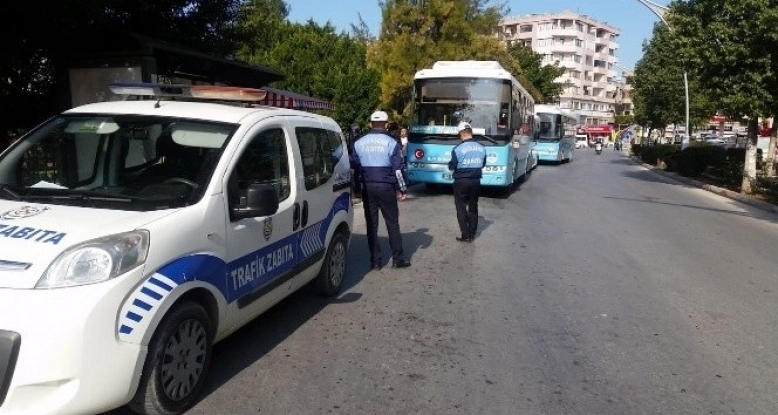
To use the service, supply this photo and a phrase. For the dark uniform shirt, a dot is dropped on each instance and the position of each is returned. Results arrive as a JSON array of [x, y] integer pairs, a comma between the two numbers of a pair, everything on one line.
[[467, 160], [377, 158]]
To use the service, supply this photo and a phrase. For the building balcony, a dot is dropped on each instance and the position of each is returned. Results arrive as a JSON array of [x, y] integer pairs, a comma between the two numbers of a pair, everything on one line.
[[569, 65], [566, 48], [560, 32]]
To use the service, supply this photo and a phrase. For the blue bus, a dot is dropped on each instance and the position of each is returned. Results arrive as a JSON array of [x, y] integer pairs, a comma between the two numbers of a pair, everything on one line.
[[487, 96], [555, 137]]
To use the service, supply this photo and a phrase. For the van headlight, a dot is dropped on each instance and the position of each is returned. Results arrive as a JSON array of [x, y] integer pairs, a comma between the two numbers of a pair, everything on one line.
[[97, 260]]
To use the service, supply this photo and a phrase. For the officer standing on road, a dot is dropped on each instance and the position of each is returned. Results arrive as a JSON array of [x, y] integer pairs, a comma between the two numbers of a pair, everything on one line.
[[467, 160], [377, 162]]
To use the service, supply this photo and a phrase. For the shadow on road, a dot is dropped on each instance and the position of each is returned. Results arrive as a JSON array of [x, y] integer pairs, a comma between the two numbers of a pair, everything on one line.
[[622, 160], [766, 216], [649, 176]]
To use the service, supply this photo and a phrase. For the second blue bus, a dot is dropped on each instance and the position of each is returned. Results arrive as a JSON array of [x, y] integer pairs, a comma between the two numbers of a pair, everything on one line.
[[555, 137]]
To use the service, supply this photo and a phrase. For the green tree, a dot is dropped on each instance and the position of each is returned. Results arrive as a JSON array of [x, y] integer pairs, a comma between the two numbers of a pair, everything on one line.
[[732, 44], [658, 99], [314, 59], [415, 34], [658, 91], [541, 76]]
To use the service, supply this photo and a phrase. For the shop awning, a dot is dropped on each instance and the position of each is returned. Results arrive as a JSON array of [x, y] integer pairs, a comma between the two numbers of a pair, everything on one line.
[[289, 99]]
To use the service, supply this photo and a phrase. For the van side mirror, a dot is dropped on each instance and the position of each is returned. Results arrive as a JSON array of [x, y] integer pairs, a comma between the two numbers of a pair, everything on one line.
[[260, 200]]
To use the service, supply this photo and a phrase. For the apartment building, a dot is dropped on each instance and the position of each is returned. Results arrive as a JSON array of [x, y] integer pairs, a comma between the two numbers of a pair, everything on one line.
[[586, 48]]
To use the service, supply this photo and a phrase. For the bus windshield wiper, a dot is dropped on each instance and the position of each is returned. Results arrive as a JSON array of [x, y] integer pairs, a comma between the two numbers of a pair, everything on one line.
[[491, 140]]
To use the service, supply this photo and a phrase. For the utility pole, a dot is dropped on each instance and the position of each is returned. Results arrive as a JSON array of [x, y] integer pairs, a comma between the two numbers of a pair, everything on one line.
[[660, 11]]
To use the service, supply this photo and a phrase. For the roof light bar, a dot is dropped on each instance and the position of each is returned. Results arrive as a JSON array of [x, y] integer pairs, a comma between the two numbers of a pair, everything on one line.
[[231, 93], [205, 92], [148, 89]]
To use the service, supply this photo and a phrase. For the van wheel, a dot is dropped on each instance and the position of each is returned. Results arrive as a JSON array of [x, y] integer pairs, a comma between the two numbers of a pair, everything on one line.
[[178, 359], [329, 282]]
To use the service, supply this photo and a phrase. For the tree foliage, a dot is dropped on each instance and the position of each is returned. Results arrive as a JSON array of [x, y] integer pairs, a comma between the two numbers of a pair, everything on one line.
[[658, 89], [314, 59], [415, 34], [732, 46]]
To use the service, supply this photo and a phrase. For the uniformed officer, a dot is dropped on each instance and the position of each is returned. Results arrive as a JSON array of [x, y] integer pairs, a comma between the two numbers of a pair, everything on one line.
[[377, 163], [467, 160]]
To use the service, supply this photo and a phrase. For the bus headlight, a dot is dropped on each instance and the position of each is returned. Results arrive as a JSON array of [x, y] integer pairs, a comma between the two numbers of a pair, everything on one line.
[[97, 260]]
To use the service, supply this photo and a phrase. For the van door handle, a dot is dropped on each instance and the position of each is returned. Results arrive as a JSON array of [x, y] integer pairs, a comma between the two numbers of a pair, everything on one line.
[[305, 213], [296, 217]]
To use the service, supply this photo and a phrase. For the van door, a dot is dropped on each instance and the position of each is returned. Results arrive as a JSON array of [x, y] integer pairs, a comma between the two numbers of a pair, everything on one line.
[[324, 161], [262, 251]]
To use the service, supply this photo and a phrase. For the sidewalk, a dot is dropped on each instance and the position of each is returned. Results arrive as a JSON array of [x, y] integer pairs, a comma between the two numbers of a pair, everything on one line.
[[748, 200]]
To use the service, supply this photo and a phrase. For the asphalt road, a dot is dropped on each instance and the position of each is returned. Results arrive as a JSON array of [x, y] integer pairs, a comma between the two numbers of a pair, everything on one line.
[[597, 287]]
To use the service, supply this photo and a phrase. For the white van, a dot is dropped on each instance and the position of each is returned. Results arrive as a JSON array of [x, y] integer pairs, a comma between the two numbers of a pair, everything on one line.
[[136, 234], [581, 141]]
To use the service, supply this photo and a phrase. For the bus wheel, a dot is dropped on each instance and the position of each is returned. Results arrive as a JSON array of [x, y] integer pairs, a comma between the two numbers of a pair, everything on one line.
[[177, 361]]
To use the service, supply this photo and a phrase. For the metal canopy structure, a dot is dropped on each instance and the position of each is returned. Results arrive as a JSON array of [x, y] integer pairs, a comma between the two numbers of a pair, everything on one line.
[[122, 48], [158, 61]]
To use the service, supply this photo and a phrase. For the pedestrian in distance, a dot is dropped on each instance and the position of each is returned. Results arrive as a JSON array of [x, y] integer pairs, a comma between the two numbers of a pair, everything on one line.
[[377, 163], [467, 160], [404, 144], [394, 130]]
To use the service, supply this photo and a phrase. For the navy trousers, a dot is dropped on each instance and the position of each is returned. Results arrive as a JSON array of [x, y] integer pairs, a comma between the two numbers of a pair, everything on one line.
[[375, 198], [466, 202]]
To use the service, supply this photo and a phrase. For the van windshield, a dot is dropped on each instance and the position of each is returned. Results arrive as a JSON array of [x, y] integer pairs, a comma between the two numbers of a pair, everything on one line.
[[125, 162]]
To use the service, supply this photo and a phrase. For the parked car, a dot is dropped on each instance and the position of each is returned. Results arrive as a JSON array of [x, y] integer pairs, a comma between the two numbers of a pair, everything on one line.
[[714, 140]]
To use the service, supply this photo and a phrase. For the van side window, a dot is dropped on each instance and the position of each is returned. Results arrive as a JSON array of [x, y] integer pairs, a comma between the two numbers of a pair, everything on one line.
[[336, 145], [316, 152], [265, 161]]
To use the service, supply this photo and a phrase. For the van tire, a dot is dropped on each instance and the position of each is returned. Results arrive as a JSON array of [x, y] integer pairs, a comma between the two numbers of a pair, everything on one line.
[[329, 282], [180, 350]]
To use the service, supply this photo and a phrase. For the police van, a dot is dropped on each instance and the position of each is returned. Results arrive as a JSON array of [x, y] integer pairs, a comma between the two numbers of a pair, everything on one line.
[[137, 233]]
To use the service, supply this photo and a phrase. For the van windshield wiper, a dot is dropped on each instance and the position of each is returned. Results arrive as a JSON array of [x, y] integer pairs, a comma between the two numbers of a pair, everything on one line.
[[8, 191], [88, 195]]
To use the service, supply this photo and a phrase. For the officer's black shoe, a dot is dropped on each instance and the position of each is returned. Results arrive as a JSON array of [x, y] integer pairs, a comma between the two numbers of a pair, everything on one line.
[[464, 239], [377, 267], [401, 263]]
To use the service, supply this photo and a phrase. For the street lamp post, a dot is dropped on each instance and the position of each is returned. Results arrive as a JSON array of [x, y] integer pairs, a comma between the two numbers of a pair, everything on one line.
[[659, 11]]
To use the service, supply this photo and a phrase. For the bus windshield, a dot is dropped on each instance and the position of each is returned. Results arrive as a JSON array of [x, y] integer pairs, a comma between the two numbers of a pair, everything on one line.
[[549, 128], [484, 103]]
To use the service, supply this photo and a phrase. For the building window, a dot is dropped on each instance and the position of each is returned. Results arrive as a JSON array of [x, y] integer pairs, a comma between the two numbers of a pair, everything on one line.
[[525, 28]]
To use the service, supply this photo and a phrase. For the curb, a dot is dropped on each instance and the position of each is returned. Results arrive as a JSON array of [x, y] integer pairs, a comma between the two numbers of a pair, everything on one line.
[[745, 199]]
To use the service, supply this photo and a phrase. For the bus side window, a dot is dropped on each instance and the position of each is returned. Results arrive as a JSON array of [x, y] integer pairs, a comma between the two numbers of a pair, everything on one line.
[[503, 121], [518, 111]]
